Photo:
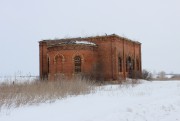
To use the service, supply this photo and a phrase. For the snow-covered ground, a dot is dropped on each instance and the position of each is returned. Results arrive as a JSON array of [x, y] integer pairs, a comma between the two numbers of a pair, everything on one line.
[[148, 101]]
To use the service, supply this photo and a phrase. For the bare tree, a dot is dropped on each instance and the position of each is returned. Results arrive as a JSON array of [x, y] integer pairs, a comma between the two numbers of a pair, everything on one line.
[[162, 75], [146, 75]]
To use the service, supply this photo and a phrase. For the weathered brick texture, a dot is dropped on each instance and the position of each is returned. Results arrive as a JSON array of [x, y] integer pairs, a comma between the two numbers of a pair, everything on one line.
[[108, 57]]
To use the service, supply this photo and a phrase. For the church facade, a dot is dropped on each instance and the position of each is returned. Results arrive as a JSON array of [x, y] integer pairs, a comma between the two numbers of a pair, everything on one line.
[[109, 57]]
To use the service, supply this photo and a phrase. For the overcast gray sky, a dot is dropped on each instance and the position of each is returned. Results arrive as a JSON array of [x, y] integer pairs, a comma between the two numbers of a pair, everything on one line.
[[155, 23]]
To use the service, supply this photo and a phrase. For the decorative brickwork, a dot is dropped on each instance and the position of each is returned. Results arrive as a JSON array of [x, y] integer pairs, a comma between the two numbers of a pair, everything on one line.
[[108, 57]]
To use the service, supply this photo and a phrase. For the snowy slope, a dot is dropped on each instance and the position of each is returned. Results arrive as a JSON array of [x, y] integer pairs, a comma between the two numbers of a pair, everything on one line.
[[148, 101]]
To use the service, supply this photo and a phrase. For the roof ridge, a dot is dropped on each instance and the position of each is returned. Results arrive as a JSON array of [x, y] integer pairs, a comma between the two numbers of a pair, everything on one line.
[[81, 38]]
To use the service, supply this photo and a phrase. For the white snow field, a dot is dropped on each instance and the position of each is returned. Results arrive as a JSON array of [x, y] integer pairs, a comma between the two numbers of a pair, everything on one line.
[[148, 101]]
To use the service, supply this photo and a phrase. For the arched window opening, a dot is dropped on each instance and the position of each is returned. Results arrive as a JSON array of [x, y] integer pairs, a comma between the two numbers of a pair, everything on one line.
[[119, 64], [129, 64], [129, 67], [77, 64]]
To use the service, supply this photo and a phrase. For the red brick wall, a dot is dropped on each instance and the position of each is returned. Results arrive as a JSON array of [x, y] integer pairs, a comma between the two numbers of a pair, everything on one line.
[[43, 60], [88, 61], [124, 50], [100, 60]]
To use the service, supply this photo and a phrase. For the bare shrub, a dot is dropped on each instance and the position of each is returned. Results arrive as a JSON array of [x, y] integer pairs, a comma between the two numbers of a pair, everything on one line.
[[146, 75], [28, 93]]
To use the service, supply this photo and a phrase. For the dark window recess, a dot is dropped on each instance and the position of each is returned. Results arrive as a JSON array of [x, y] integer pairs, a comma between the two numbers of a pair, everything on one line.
[[126, 65], [119, 64], [77, 62], [129, 64]]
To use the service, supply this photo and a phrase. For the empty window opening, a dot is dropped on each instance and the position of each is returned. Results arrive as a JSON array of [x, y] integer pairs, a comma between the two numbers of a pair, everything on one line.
[[77, 63], [119, 64], [129, 64]]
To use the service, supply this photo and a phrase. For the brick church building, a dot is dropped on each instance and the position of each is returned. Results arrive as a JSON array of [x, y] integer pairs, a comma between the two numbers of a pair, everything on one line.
[[108, 57]]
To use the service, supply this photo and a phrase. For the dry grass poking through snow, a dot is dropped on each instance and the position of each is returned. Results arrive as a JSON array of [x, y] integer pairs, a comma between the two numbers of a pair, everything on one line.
[[15, 95]]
